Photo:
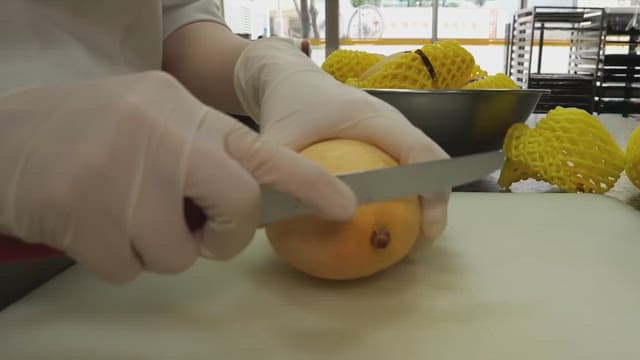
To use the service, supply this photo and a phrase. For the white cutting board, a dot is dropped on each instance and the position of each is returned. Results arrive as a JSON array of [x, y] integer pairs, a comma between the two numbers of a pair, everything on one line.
[[515, 276]]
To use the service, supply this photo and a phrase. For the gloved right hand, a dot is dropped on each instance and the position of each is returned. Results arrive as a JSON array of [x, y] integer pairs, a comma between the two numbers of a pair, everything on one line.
[[100, 170], [297, 103]]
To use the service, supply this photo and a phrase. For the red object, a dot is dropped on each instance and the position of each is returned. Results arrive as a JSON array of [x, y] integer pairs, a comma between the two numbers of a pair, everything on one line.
[[305, 46], [12, 248]]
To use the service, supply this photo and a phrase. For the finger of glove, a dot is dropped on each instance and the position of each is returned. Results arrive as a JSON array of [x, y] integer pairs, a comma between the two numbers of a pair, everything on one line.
[[146, 205], [159, 232], [223, 189], [158, 228], [434, 217], [289, 172], [96, 243], [108, 254], [434, 205]]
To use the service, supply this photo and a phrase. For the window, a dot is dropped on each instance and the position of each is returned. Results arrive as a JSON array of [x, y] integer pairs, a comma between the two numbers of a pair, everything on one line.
[[389, 26]]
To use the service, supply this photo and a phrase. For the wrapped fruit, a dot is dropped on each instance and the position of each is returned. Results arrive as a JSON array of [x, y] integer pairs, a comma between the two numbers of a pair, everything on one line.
[[569, 148], [344, 64], [525, 151], [442, 65], [632, 167], [497, 81], [477, 73]]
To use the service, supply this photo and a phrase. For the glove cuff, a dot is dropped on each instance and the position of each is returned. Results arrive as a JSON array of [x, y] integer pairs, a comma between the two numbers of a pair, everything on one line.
[[264, 63]]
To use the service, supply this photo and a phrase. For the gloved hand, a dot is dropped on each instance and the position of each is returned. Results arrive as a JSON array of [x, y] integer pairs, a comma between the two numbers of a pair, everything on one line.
[[100, 170], [296, 103]]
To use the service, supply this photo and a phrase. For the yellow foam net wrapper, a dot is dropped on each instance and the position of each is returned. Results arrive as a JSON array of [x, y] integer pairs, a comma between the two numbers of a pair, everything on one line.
[[478, 73], [568, 148], [632, 167], [444, 64], [497, 81], [343, 64]]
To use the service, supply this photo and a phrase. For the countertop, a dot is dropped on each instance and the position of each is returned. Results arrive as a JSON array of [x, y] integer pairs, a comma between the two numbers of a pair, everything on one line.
[[557, 283]]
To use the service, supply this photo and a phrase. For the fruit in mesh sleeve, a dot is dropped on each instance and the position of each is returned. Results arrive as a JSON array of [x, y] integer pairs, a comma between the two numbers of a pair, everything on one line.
[[524, 150], [442, 65], [497, 81], [343, 64], [632, 167], [568, 148], [397, 71], [354, 82], [477, 73]]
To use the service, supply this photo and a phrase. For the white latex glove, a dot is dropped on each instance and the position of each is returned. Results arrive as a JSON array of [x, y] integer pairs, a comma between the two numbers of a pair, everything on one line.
[[100, 171], [296, 103]]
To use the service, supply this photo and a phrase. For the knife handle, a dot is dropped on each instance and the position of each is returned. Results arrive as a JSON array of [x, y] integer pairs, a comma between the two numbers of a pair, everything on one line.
[[14, 249], [193, 215]]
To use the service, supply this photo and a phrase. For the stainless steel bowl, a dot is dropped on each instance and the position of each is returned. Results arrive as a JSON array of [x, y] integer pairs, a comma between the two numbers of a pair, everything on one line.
[[463, 121]]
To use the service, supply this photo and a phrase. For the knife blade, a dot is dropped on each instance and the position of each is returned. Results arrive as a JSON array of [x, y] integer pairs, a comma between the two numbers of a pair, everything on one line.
[[390, 183]]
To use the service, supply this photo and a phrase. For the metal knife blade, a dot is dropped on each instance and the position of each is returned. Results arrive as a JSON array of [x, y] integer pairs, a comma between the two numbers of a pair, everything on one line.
[[390, 183]]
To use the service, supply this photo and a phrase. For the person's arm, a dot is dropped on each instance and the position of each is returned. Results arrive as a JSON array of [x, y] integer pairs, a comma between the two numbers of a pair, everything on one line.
[[201, 51], [202, 56]]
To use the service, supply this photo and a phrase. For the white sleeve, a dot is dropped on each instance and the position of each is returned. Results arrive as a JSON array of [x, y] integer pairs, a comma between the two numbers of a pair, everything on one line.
[[177, 13]]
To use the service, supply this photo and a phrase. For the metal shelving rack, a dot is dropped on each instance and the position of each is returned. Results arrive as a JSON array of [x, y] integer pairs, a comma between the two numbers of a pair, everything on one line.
[[619, 90], [584, 30]]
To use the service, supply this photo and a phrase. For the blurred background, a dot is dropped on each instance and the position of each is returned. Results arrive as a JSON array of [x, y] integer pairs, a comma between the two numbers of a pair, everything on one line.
[[592, 47], [387, 26]]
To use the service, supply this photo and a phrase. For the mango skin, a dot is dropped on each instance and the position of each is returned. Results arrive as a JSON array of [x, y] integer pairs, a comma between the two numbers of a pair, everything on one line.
[[378, 236]]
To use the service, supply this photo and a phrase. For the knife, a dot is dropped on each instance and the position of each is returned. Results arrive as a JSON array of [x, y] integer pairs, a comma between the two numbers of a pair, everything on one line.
[[368, 186], [390, 183], [376, 185]]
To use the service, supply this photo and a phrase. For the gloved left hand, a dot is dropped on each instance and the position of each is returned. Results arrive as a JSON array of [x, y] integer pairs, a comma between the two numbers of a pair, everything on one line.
[[296, 103]]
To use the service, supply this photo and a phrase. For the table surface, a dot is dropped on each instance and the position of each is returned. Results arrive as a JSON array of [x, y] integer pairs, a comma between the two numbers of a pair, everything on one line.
[[619, 126], [557, 283]]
